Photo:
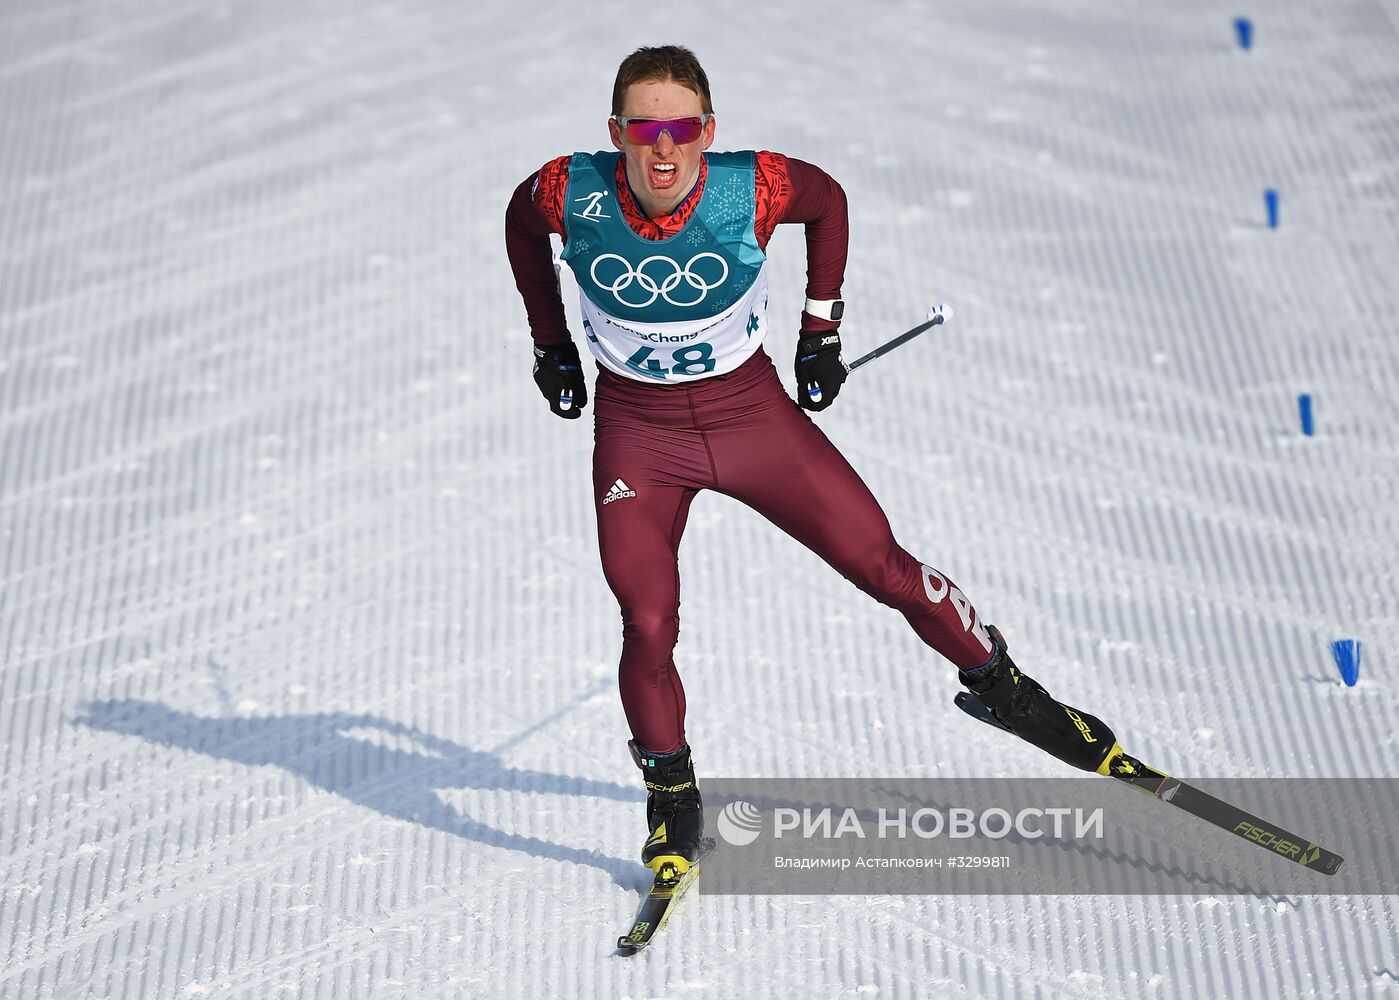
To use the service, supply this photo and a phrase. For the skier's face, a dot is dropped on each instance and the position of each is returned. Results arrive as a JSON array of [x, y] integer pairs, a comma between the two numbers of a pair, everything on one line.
[[661, 174]]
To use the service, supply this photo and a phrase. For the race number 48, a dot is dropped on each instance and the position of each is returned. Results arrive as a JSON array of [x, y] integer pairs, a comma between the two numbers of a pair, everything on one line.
[[695, 359]]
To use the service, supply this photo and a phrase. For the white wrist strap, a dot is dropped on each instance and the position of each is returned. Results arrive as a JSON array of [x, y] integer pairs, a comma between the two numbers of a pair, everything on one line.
[[820, 309]]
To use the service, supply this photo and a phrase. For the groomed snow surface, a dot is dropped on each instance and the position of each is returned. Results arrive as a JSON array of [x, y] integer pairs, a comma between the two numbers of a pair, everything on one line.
[[308, 682]]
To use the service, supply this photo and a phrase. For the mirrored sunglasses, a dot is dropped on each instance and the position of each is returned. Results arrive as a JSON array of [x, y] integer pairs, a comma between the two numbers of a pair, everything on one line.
[[647, 131]]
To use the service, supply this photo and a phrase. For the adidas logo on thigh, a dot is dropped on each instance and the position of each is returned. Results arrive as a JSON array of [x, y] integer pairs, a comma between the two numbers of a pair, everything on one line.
[[619, 491]]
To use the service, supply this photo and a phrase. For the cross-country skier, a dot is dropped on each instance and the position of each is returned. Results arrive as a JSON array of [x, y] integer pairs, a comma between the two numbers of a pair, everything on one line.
[[667, 243]]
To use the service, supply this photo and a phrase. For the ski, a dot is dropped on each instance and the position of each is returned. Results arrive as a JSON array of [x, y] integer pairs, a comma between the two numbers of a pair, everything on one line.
[[661, 901], [1129, 770]]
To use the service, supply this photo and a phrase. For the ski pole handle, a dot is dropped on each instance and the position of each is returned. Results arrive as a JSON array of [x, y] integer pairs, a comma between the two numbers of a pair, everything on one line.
[[937, 316]]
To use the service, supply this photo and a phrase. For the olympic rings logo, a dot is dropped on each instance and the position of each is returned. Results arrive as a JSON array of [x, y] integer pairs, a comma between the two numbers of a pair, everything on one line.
[[696, 279]]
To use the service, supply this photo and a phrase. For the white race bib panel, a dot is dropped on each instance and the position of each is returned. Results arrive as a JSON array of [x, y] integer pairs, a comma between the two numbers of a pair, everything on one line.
[[674, 310], [670, 353]]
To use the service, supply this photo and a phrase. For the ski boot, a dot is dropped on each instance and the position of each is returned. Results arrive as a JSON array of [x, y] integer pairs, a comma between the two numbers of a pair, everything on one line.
[[674, 812], [1025, 708]]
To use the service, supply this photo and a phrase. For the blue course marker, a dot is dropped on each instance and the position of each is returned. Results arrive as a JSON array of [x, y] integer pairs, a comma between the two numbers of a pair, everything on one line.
[[1270, 202], [1347, 654], [1304, 410], [1243, 28]]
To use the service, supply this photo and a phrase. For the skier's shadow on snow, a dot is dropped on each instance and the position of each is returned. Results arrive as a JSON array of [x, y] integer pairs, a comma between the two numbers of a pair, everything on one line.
[[375, 762]]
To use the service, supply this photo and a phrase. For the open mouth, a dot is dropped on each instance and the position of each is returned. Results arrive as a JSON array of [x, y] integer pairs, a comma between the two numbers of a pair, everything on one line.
[[663, 175]]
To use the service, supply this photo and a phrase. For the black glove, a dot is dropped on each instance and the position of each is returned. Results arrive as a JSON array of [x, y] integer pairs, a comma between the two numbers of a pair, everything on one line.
[[820, 372], [559, 375]]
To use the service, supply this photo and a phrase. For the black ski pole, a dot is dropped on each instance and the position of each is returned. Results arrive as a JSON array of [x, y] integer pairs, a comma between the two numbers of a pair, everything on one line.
[[937, 315]]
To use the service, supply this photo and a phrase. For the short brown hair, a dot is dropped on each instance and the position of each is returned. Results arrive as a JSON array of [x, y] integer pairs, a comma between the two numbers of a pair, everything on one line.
[[662, 62]]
